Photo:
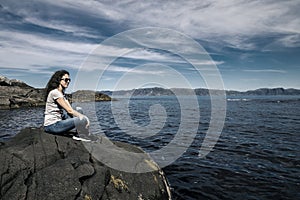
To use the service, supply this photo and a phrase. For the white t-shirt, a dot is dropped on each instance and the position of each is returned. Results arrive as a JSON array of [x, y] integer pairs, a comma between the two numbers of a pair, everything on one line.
[[53, 111]]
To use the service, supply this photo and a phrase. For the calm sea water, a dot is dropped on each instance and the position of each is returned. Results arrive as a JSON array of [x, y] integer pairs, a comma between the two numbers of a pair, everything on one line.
[[256, 157]]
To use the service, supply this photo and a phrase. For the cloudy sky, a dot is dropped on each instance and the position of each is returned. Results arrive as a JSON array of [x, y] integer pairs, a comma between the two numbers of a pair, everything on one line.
[[251, 44]]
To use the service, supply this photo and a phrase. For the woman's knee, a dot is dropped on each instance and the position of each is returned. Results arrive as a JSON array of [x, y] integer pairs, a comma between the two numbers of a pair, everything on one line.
[[80, 122]]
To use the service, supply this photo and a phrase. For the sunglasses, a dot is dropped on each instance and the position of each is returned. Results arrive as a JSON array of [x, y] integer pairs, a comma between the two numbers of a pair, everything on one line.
[[66, 79]]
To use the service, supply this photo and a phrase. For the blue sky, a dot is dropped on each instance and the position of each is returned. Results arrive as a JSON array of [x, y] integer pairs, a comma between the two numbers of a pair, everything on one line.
[[253, 44]]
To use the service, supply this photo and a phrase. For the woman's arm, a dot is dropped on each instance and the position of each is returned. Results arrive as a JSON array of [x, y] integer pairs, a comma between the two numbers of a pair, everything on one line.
[[66, 105]]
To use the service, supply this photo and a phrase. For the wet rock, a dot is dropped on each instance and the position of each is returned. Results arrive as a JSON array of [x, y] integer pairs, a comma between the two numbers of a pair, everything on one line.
[[37, 165]]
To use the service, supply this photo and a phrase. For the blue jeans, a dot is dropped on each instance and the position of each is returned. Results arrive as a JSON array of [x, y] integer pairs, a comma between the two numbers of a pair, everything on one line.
[[66, 124]]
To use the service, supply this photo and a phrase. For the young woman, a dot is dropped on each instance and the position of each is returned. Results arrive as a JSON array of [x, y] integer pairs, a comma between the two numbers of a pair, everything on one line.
[[60, 117]]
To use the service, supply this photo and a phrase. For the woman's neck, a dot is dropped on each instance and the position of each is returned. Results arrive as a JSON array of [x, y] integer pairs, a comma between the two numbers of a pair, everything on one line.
[[61, 89]]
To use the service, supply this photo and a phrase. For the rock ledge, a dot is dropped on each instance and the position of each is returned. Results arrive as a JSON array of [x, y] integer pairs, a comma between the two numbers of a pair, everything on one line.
[[37, 165]]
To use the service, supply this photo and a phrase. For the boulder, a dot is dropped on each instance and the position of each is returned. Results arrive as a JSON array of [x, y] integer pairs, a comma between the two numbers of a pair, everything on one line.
[[37, 165]]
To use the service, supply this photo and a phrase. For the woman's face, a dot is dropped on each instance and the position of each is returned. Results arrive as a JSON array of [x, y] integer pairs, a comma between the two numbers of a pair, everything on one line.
[[65, 80]]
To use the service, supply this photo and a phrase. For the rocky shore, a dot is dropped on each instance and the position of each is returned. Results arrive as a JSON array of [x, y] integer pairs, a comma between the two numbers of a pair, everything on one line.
[[17, 94], [37, 165]]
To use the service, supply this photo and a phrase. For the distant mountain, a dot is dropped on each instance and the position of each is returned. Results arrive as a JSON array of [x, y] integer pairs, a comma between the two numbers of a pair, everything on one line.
[[266, 91], [156, 91], [141, 92]]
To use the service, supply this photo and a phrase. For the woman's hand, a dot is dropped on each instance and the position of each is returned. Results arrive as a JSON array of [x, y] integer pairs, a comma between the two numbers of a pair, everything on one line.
[[88, 122]]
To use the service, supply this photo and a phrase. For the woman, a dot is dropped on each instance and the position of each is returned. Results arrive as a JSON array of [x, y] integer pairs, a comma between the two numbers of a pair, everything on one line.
[[60, 117]]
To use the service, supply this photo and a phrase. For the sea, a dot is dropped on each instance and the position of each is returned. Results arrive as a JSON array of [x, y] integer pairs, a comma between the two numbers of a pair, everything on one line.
[[256, 154]]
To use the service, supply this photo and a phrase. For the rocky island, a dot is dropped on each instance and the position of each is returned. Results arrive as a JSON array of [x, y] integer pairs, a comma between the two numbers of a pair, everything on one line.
[[37, 165]]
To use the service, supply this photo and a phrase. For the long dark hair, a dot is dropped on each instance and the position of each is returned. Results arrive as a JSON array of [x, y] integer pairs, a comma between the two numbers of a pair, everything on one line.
[[54, 81]]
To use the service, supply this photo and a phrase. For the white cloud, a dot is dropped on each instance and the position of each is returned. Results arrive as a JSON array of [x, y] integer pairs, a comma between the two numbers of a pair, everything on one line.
[[208, 62], [138, 70], [265, 71], [61, 25], [27, 43], [90, 7], [148, 55], [38, 42], [35, 51], [290, 41], [230, 21], [20, 50]]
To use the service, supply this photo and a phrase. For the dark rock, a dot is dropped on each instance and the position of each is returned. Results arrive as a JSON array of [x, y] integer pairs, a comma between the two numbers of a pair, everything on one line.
[[37, 165], [16, 94]]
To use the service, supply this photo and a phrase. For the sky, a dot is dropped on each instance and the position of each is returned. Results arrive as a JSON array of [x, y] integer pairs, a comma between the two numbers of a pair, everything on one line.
[[112, 45]]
